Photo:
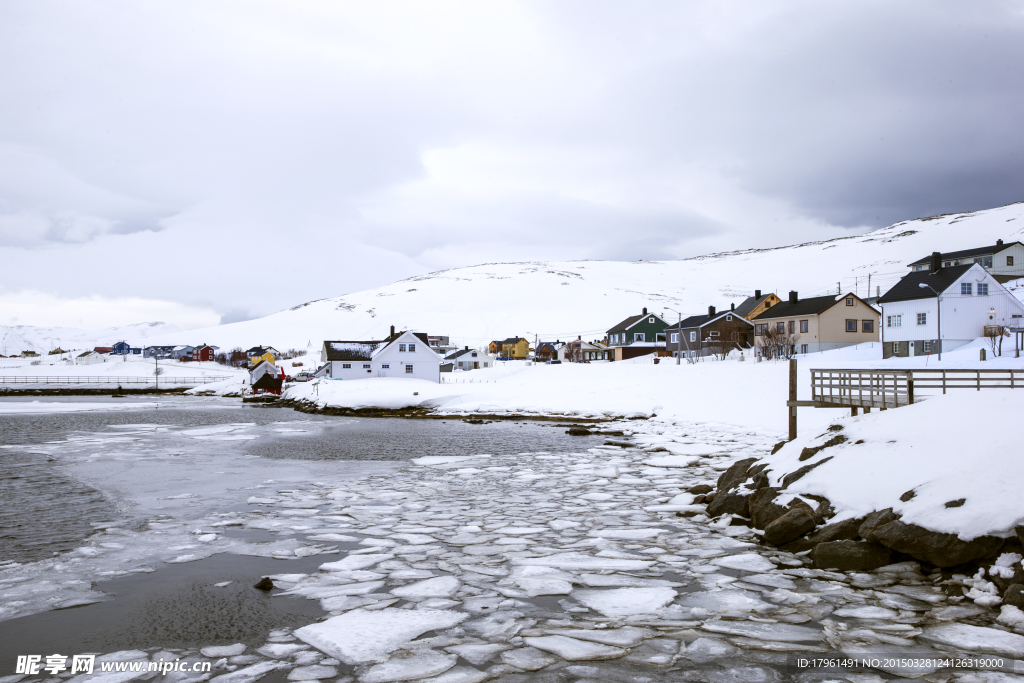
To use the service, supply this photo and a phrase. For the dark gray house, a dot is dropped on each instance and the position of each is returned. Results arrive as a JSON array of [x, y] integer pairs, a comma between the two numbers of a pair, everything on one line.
[[702, 335]]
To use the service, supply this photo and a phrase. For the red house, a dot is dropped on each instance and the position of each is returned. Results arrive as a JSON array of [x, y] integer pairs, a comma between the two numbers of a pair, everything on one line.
[[204, 352]]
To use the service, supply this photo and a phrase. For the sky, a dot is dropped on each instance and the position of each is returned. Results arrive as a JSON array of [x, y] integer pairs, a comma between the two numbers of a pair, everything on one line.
[[211, 162]]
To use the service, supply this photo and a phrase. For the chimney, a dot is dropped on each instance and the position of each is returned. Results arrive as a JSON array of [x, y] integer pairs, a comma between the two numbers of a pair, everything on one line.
[[757, 293], [392, 330], [579, 337], [645, 311], [711, 310], [936, 261], [999, 243], [732, 307], [793, 297]]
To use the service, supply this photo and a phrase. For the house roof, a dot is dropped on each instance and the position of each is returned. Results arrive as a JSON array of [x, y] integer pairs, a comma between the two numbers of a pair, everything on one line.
[[702, 320], [750, 303], [350, 350], [457, 354], [631, 321], [422, 336], [267, 381], [258, 350], [811, 306], [908, 289], [965, 253], [103, 349], [512, 340], [86, 353]]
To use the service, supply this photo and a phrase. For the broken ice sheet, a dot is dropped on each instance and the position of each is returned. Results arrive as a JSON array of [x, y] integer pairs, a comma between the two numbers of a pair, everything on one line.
[[624, 602]]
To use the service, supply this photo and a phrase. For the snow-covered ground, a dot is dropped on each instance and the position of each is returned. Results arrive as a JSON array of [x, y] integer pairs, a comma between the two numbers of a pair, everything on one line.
[[52, 368], [561, 300], [17, 338]]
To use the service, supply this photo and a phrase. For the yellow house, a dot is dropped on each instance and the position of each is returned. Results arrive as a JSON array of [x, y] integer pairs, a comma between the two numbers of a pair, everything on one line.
[[754, 306], [258, 354], [515, 347]]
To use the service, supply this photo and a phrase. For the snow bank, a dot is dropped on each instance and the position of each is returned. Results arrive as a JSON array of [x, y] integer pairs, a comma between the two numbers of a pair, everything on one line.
[[960, 446]]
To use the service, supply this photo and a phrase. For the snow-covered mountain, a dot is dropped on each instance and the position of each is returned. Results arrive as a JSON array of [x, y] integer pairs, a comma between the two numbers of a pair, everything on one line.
[[17, 338], [560, 300]]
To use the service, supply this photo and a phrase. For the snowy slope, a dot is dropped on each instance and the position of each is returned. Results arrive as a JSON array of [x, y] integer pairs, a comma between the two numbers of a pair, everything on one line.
[[17, 338], [565, 299]]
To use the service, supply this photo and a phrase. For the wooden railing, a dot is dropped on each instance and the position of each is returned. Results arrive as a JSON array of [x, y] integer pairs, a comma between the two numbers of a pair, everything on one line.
[[100, 379], [892, 388]]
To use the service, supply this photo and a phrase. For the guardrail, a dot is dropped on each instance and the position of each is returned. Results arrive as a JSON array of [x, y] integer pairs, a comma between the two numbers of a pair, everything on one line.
[[53, 379]]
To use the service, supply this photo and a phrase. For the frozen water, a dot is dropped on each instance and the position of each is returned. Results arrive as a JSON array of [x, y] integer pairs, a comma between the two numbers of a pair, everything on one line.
[[583, 562], [627, 636], [623, 602], [360, 636], [223, 650], [437, 587], [312, 673], [573, 650], [478, 653], [408, 668], [782, 632], [976, 639], [527, 658], [747, 562]]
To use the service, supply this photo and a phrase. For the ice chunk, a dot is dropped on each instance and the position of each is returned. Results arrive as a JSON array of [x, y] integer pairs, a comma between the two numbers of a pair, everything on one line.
[[627, 636], [726, 601], [598, 580], [787, 633], [704, 650], [1011, 616], [520, 530], [771, 580], [534, 586], [527, 658], [314, 672], [246, 675], [415, 666], [745, 562], [445, 459], [280, 650], [866, 612], [217, 651], [460, 674], [623, 602], [478, 653], [362, 636], [437, 587], [355, 562], [976, 639], [671, 461], [574, 650], [343, 603], [581, 561], [626, 534]]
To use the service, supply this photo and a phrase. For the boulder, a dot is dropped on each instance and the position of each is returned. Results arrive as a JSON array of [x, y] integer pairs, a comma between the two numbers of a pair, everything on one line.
[[796, 474], [577, 430], [790, 526], [941, 550], [760, 480], [778, 447], [735, 475], [1020, 533], [840, 531], [808, 453], [1014, 595], [763, 511], [729, 503], [875, 520], [700, 488], [850, 555], [264, 584]]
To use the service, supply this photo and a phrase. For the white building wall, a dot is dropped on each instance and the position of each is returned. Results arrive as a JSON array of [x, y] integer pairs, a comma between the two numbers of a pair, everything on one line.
[[999, 266]]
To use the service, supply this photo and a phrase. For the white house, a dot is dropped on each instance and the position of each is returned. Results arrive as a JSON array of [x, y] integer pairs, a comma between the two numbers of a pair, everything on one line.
[[403, 354], [469, 359], [1003, 261], [967, 297], [90, 358]]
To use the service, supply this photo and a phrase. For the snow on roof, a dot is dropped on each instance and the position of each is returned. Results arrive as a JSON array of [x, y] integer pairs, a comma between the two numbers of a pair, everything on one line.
[[350, 350]]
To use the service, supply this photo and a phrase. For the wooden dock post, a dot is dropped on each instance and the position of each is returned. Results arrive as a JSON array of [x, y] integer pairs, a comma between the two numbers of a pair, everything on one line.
[[792, 398]]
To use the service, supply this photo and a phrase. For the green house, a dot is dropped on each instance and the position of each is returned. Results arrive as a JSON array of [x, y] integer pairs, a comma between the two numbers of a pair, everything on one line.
[[645, 327]]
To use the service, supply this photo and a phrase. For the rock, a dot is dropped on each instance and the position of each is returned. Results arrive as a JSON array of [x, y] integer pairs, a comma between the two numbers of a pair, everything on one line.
[[708, 498], [956, 503], [762, 510], [840, 531], [264, 584], [875, 520], [760, 480], [1020, 533], [1014, 595], [729, 503], [735, 475], [700, 488], [697, 500], [909, 495], [793, 476], [576, 430], [808, 453], [777, 447], [789, 527], [756, 469], [847, 555], [941, 550]]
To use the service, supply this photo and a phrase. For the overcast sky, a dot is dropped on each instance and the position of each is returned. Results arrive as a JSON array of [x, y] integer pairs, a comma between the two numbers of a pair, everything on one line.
[[203, 162]]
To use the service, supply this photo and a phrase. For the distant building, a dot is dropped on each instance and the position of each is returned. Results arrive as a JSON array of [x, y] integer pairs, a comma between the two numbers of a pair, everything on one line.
[[204, 352], [515, 348], [580, 351], [704, 335], [440, 345], [158, 352], [123, 348], [266, 378], [469, 359], [820, 323], [753, 306], [1004, 262], [29, 354], [90, 358], [258, 354], [402, 354], [104, 349]]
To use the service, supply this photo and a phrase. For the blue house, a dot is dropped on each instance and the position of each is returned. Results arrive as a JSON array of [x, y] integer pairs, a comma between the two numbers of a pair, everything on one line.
[[123, 348]]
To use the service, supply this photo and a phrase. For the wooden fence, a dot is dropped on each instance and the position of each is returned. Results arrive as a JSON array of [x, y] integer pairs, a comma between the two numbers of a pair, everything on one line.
[[54, 379]]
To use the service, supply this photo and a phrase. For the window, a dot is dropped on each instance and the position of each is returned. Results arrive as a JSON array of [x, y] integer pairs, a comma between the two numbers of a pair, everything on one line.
[[408, 369], [1009, 260], [945, 264], [849, 302], [693, 336], [401, 347], [792, 326], [982, 289], [485, 364], [922, 318], [651, 321], [412, 348], [714, 333], [385, 366], [867, 326], [927, 347], [346, 366], [728, 318], [965, 288], [638, 336], [985, 261], [675, 337], [893, 321], [803, 326], [895, 348], [781, 328], [851, 325], [803, 348]]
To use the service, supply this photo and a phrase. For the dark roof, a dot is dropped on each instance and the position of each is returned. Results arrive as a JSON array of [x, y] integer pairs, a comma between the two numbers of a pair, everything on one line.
[[511, 340], [965, 253], [749, 304], [811, 306], [632, 320], [350, 350], [257, 350], [267, 381], [702, 320], [456, 354], [907, 288]]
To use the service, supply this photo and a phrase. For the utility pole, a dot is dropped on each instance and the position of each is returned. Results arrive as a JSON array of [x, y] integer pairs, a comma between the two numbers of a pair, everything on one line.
[[869, 285], [156, 370], [839, 288]]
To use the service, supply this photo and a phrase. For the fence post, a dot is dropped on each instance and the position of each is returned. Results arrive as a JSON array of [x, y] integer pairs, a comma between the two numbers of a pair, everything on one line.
[[910, 387], [792, 398]]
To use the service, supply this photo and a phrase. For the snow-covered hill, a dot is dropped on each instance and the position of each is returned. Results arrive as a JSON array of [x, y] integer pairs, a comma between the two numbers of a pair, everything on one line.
[[560, 300], [17, 338]]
